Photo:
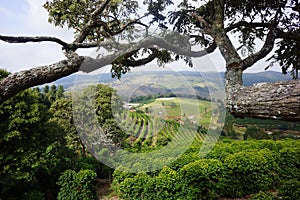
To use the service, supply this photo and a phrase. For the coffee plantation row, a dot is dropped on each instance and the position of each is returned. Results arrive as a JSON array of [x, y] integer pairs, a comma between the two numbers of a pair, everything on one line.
[[263, 169]]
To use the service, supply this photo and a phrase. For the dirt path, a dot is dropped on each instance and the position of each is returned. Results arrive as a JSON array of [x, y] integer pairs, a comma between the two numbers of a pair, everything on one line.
[[104, 190]]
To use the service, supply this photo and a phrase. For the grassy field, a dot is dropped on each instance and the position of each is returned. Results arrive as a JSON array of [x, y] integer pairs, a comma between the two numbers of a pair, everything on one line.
[[180, 109]]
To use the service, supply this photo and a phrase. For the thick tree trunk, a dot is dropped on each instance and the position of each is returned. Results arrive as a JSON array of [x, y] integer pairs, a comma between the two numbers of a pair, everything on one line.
[[279, 100], [265, 100]]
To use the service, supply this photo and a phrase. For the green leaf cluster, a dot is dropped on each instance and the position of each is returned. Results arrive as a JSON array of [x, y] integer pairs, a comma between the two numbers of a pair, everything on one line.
[[77, 186], [76, 14]]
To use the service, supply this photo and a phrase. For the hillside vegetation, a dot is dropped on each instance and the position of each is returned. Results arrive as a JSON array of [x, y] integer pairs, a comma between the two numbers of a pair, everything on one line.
[[254, 169]]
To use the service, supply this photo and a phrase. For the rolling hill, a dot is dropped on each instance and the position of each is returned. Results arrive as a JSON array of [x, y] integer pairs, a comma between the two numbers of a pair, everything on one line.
[[182, 84]]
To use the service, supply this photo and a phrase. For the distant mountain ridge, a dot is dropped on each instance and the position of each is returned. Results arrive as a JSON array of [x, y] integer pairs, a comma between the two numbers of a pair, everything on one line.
[[267, 76], [248, 78]]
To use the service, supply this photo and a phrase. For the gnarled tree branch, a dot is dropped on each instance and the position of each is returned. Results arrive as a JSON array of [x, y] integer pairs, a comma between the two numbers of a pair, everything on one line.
[[19, 81], [65, 45], [263, 52], [142, 61], [22, 39], [178, 49]]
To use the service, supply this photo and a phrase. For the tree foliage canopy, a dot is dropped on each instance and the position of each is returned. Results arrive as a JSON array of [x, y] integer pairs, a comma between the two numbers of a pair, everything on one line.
[[109, 18]]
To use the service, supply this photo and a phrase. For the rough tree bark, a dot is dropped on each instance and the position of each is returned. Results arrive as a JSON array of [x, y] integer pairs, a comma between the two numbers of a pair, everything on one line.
[[19, 81], [279, 100]]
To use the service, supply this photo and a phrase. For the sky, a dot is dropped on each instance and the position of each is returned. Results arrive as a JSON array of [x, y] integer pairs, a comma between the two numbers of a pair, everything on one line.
[[29, 18]]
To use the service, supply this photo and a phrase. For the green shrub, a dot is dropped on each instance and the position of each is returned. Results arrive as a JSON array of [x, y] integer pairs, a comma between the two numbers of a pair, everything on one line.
[[121, 173], [269, 144], [248, 173], [138, 187], [289, 162], [220, 152], [76, 186], [290, 190], [167, 184], [200, 179]]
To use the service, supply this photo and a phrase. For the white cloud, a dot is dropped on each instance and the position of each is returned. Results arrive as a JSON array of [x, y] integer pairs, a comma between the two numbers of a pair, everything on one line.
[[38, 22], [33, 22]]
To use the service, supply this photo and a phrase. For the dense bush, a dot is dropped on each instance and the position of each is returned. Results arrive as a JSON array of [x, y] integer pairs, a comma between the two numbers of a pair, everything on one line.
[[200, 179], [290, 190], [119, 175], [77, 186], [136, 187], [289, 162], [184, 160], [249, 172], [167, 185]]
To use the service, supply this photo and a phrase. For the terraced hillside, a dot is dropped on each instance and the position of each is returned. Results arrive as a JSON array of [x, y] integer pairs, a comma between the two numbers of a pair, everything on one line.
[[180, 110], [158, 123]]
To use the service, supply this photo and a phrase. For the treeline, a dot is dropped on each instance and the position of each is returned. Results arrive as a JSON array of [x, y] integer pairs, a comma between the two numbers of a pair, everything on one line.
[[269, 124], [260, 128], [263, 169]]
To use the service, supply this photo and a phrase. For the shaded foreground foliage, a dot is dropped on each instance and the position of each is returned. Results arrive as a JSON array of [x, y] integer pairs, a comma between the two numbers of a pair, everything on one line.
[[41, 154]]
